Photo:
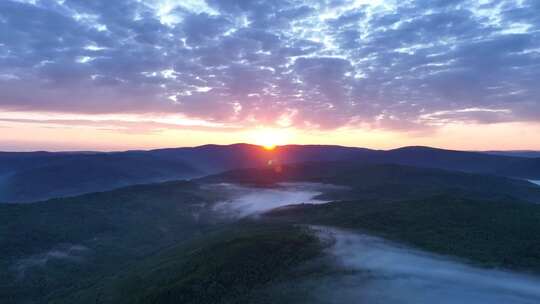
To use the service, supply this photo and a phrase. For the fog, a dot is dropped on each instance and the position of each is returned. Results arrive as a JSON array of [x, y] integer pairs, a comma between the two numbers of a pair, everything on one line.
[[535, 182], [376, 271], [246, 201], [64, 252], [358, 268]]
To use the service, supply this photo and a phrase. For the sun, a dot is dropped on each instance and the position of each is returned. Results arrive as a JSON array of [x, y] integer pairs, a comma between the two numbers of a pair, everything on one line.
[[269, 147], [269, 139]]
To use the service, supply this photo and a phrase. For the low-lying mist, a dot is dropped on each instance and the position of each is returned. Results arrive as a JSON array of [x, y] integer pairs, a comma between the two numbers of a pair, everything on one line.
[[373, 270], [364, 269], [247, 201], [63, 252]]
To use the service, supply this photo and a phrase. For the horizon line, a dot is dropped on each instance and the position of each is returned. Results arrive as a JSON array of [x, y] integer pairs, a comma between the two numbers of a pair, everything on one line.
[[83, 151]]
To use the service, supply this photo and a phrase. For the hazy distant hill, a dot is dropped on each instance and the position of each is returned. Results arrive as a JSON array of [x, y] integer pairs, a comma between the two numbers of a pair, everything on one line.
[[464, 161], [214, 158], [40, 175], [32, 176], [388, 181], [529, 154], [47, 175]]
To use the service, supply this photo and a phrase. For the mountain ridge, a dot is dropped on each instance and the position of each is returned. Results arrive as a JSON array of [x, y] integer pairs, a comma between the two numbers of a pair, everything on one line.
[[42, 175]]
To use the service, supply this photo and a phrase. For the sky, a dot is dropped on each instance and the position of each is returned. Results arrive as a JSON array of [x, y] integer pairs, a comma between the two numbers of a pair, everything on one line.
[[141, 74]]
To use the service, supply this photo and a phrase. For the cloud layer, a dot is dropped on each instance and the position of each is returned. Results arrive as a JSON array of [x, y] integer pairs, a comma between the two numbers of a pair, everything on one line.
[[326, 63]]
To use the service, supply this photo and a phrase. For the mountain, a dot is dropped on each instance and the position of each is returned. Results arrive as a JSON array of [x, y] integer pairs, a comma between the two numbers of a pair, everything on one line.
[[30, 177], [517, 153], [64, 244], [215, 158], [33, 176], [384, 181], [461, 161], [40, 175], [167, 243]]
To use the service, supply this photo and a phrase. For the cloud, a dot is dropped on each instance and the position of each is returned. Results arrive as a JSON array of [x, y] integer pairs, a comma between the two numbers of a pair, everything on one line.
[[130, 123], [386, 64]]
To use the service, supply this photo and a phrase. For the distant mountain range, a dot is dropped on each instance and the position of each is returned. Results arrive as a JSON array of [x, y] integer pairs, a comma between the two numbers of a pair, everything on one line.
[[26, 177], [214, 158], [32, 176], [517, 153], [384, 181]]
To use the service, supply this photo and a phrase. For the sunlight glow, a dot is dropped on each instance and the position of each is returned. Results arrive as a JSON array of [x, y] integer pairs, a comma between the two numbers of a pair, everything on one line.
[[270, 138]]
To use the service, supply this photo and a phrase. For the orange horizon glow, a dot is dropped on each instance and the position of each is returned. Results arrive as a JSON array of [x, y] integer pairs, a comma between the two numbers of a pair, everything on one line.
[[269, 147], [55, 135], [269, 138]]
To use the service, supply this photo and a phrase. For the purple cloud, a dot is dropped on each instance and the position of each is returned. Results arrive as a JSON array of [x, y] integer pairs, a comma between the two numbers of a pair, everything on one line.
[[394, 64]]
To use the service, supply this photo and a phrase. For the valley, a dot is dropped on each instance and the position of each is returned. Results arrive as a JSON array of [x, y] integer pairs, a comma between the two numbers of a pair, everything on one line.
[[137, 244]]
